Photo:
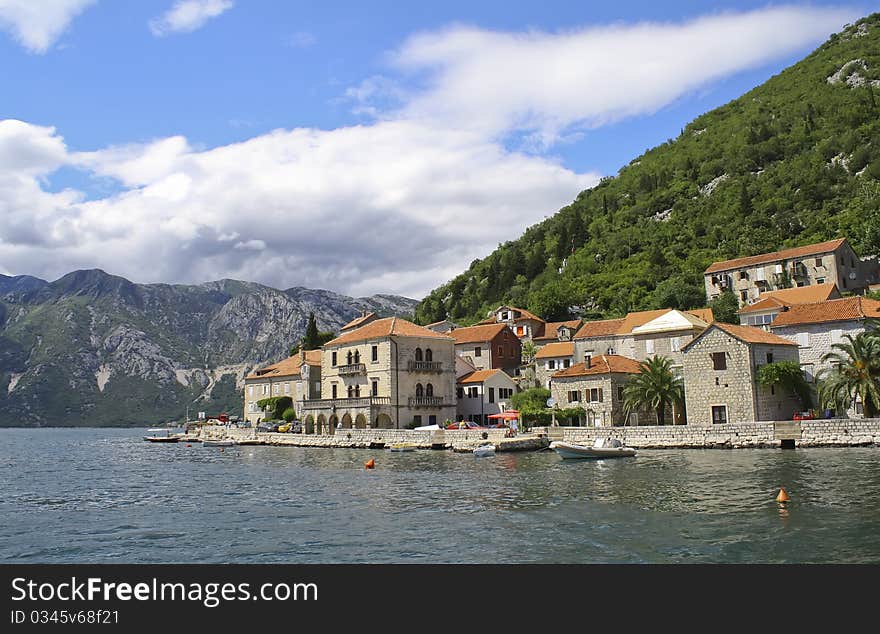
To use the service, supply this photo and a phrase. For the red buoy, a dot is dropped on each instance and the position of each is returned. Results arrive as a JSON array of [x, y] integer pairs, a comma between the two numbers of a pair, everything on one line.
[[369, 464], [782, 498]]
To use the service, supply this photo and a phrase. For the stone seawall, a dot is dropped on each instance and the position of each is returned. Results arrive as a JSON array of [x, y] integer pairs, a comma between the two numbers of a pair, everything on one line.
[[359, 438], [818, 433]]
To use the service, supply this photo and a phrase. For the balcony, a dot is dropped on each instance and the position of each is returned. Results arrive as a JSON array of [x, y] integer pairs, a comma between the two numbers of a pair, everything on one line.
[[339, 403], [425, 366], [425, 401], [354, 368]]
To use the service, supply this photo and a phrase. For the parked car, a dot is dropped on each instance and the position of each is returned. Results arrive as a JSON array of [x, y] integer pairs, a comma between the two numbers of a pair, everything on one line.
[[267, 427], [807, 415], [296, 428]]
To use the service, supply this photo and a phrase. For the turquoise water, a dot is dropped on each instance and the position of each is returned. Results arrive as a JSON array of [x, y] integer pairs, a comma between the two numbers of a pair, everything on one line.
[[106, 496]]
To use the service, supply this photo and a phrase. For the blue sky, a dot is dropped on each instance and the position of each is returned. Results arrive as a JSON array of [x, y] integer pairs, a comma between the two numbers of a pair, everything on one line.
[[351, 146]]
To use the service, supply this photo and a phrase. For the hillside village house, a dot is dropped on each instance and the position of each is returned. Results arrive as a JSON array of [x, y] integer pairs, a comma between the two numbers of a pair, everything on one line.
[[643, 334], [720, 376], [488, 347], [551, 358], [555, 331], [525, 325], [298, 377], [389, 373], [816, 327], [832, 262], [364, 319], [596, 384], [442, 326], [482, 393], [762, 312]]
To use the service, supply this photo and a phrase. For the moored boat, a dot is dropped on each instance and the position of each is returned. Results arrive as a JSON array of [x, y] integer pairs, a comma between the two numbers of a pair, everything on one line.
[[486, 449], [602, 448], [218, 443], [403, 446], [162, 434]]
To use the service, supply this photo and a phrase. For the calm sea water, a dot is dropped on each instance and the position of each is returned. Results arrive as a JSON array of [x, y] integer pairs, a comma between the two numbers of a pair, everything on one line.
[[105, 496]]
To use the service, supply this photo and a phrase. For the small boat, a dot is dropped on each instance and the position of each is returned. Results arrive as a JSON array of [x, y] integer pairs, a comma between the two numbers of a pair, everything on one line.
[[602, 448], [486, 449], [162, 434], [403, 446], [218, 443]]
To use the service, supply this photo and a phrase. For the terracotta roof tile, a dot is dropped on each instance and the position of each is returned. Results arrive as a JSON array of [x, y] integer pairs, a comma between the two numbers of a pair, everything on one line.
[[286, 367], [551, 329], [478, 377], [476, 334], [602, 364], [601, 328], [789, 296], [359, 321], [786, 254], [389, 326], [556, 349], [846, 309], [632, 320], [746, 334]]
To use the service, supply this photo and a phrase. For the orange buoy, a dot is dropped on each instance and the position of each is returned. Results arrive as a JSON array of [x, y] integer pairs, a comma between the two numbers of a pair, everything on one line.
[[188, 445], [369, 464], [783, 496]]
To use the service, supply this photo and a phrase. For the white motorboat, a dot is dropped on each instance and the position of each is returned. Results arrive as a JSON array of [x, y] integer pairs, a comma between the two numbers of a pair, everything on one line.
[[602, 448], [403, 446], [161, 434], [486, 449], [218, 443]]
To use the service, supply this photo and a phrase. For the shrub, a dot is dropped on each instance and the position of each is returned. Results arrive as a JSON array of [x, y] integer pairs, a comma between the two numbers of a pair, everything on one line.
[[289, 414]]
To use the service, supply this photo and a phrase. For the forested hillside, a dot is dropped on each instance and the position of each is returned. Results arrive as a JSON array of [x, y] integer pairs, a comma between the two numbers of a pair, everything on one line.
[[794, 161]]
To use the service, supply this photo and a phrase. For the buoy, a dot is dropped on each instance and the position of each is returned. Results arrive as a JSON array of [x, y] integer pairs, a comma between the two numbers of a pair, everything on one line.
[[369, 464], [221, 449], [188, 445], [783, 496]]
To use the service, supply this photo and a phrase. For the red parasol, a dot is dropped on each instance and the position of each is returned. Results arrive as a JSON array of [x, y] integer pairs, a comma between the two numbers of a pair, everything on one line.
[[508, 415]]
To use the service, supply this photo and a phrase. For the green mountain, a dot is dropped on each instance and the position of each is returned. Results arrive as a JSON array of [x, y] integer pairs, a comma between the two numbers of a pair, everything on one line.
[[93, 349], [794, 161]]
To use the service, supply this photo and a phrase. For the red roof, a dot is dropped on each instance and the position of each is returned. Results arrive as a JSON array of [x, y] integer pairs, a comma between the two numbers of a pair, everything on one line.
[[602, 364], [746, 334], [789, 296], [358, 321], [556, 349], [476, 334], [551, 329], [624, 326], [786, 254], [290, 366], [846, 309], [387, 327], [478, 377]]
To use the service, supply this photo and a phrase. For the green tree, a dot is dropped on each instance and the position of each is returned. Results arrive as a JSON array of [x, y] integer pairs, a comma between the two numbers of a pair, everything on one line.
[[789, 376], [654, 387], [529, 350], [311, 340], [289, 414], [855, 373], [551, 301], [724, 307]]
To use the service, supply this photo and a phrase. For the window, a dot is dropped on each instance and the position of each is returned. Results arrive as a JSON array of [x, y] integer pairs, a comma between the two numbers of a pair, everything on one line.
[[620, 396], [473, 392], [551, 364], [743, 275], [287, 388], [649, 346], [675, 343], [719, 414], [375, 353], [417, 420], [744, 296], [429, 390], [418, 354], [836, 336], [429, 356], [769, 357], [491, 394], [594, 395], [500, 351], [574, 396], [317, 387], [334, 359], [420, 390], [760, 321], [719, 361], [265, 389], [504, 393], [459, 393], [803, 339], [610, 351], [375, 388], [820, 280], [432, 419], [251, 391], [478, 351], [819, 263], [357, 356], [333, 388], [520, 331], [348, 358], [566, 363], [350, 391]]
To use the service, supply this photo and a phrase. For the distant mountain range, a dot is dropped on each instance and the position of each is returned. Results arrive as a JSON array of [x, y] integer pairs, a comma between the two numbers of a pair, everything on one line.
[[93, 349]]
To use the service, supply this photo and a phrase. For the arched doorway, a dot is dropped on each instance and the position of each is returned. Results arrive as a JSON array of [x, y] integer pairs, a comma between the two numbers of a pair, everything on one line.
[[310, 424], [346, 421], [334, 421], [360, 421], [322, 425], [383, 421]]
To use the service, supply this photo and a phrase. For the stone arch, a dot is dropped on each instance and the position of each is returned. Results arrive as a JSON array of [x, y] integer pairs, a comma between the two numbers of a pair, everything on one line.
[[360, 422], [383, 421], [420, 391], [357, 391], [333, 422], [310, 425], [322, 424], [418, 354], [429, 356], [348, 358], [429, 390], [346, 421], [357, 356]]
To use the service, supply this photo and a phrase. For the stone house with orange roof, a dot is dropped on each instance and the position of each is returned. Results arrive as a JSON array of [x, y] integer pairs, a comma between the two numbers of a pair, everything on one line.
[[488, 347], [832, 262], [482, 393], [389, 373], [816, 327], [298, 377], [762, 312], [551, 358], [525, 325], [720, 376], [596, 385]]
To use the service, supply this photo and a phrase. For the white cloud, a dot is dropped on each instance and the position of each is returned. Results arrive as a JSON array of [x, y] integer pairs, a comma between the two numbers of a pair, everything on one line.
[[547, 83], [37, 24], [301, 39], [188, 15]]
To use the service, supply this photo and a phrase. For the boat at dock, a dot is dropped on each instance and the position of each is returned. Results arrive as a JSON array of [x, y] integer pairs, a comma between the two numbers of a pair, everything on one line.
[[486, 449], [402, 446], [601, 448], [161, 434]]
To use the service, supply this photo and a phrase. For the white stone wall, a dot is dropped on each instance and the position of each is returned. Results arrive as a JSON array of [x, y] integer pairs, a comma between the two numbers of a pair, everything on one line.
[[543, 372], [480, 405], [624, 346], [469, 351], [663, 345]]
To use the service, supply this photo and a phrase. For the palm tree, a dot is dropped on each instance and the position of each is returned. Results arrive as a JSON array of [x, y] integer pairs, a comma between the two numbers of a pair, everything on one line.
[[856, 373], [655, 387]]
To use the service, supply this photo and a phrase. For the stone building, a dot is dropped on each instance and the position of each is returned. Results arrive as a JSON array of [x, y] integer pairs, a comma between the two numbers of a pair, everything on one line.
[[298, 377], [720, 376], [596, 384], [525, 325], [816, 327], [388, 374], [488, 347], [442, 326], [551, 358], [482, 393], [557, 331], [643, 334], [762, 312], [832, 262], [364, 319]]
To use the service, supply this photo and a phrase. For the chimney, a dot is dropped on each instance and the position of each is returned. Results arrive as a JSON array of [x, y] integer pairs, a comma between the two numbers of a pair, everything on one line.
[[302, 355], [588, 359]]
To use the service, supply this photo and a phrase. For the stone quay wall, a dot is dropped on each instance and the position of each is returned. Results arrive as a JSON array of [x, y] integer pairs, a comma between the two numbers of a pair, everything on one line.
[[840, 432]]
